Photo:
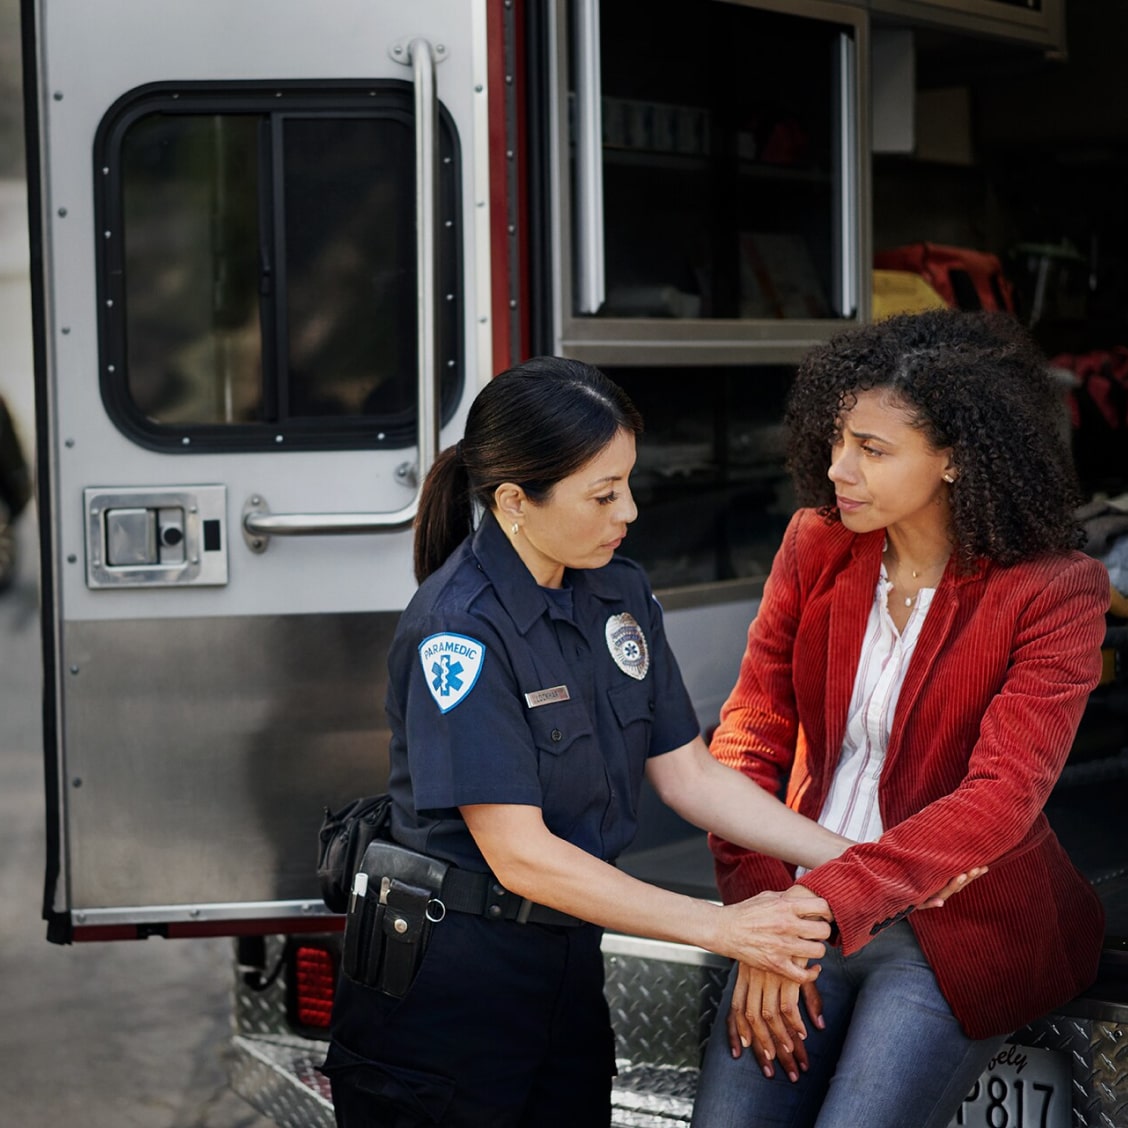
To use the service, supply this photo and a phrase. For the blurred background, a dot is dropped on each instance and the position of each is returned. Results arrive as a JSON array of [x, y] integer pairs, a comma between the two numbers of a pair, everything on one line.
[[106, 1036]]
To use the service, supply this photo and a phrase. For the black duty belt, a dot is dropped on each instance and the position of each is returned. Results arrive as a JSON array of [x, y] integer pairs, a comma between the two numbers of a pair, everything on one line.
[[481, 894]]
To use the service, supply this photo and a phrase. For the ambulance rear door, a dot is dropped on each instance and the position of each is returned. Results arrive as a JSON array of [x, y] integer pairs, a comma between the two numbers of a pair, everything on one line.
[[261, 277]]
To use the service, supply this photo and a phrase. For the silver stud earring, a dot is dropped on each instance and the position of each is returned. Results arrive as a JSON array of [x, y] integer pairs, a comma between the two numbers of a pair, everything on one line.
[[949, 479], [515, 528]]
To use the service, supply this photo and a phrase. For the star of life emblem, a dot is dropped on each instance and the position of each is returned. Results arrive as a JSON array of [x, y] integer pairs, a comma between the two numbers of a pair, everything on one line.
[[451, 665], [627, 644]]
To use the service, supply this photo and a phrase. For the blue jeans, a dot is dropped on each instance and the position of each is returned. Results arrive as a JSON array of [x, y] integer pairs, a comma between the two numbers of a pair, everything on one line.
[[892, 1054]]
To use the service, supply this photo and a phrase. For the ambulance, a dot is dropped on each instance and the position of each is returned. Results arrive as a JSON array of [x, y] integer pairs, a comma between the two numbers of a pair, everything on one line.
[[277, 248]]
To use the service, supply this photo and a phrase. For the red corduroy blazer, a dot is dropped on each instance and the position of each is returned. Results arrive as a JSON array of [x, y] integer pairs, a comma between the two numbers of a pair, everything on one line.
[[985, 720]]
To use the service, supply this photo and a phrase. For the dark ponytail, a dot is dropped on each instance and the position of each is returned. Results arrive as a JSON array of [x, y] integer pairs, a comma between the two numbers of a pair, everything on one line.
[[533, 425], [446, 514]]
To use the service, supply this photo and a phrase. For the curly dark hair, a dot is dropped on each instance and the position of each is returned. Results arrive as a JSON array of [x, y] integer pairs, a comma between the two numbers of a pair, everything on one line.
[[974, 382]]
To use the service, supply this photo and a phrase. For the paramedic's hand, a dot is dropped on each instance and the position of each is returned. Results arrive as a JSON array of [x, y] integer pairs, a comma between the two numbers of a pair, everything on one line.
[[765, 1018], [777, 932]]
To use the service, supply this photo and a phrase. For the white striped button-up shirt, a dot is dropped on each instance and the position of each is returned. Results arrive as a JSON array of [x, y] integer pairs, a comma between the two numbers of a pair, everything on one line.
[[851, 808]]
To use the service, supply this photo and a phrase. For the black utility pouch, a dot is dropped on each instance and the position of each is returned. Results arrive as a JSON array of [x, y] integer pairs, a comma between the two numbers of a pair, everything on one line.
[[406, 924], [341, 842], [395, 903]]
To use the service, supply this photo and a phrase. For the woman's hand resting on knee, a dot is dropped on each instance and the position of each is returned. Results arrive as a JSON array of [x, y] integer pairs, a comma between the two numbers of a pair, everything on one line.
[[765, 1015]]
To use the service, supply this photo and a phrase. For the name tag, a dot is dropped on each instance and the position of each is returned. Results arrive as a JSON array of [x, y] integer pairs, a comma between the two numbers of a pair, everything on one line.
[[547, 696]]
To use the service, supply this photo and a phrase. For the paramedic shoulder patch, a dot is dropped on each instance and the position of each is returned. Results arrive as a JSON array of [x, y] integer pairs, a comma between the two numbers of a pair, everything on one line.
[[451, 665], [627, 644]]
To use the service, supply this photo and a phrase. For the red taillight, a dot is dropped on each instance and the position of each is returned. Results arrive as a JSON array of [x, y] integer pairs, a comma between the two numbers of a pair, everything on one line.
[[314, 981]]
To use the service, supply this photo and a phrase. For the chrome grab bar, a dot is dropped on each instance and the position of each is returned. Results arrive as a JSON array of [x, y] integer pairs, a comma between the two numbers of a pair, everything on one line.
[[259, 524], [845, 279], [590, 271], [422, 58]]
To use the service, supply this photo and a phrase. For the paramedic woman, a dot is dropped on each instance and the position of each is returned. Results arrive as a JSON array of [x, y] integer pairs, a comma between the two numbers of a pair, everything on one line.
[[530, 689], [917, 669]]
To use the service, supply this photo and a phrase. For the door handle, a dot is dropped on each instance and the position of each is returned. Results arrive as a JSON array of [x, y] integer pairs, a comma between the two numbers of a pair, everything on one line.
[[259, 524]]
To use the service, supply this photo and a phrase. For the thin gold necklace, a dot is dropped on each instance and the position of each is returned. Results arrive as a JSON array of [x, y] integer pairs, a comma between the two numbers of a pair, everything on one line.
[[909, 600]]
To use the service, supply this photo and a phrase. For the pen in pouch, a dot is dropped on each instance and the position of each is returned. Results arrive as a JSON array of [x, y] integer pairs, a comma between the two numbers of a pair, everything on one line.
[[359, 889], [354, 926], [374, 928]]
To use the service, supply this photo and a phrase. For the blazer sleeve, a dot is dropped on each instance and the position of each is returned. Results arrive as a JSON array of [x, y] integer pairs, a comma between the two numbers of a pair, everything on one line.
[[1024, 740], [759, 724]]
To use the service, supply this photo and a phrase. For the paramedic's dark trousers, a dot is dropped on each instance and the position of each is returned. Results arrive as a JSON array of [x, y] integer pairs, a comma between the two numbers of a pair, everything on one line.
[[505, 1026]]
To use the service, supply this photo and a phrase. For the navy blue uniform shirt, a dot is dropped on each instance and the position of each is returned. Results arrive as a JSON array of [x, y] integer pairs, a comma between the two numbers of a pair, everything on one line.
[[498, 694]]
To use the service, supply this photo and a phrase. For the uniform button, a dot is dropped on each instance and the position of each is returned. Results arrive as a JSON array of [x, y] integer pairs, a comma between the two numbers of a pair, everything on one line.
[[498, 890], [493, 912], [400, 925], [557, 736], [650, 706]]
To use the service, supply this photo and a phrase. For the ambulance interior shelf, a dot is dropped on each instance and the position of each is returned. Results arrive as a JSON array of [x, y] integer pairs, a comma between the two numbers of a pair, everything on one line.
[[719, 163], [777, 276]]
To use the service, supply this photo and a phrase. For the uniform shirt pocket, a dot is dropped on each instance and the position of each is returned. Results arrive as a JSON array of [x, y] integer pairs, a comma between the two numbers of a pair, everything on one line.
[[557, 727], [569, 765], [633, 706]]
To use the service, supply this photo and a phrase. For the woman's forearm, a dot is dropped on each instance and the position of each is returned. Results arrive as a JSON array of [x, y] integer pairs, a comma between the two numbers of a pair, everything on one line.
[[722, 800]]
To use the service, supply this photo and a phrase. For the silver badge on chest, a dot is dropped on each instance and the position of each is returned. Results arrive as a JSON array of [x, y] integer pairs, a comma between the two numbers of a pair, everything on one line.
[[627, 645]]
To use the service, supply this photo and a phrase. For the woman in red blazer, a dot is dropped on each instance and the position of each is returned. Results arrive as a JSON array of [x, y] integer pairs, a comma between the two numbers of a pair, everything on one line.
[[914, 678]]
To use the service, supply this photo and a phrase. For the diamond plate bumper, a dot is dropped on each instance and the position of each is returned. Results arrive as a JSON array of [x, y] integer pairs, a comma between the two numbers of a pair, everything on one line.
[[663, 998]]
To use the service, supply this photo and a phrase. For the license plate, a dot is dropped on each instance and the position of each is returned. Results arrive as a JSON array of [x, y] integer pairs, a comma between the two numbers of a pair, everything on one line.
[[1023, 1087]]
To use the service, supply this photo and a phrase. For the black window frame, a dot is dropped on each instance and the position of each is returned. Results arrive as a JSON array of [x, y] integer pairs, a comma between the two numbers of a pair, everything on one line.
[[272, 100]]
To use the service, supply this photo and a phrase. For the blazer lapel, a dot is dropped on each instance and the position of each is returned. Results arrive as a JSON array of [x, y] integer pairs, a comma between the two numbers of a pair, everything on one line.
[[933, 634], [853, 597]]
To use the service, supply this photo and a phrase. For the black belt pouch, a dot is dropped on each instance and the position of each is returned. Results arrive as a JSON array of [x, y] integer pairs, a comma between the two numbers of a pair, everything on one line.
[[395, 903]]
